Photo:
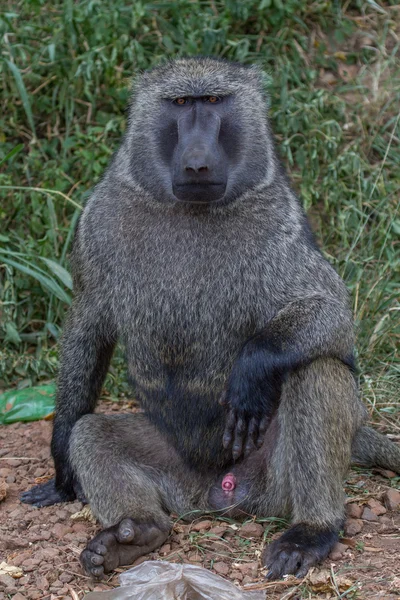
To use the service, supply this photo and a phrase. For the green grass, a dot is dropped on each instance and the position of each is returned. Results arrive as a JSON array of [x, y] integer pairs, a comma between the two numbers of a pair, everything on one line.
[[333, 75]]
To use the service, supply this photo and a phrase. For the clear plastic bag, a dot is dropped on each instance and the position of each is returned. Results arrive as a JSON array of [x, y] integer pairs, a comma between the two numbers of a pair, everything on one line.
[[153, 580]]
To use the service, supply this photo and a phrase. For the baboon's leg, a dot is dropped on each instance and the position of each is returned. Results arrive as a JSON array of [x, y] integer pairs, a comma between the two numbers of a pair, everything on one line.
[[318, 416], [371, 448], [132, 479]]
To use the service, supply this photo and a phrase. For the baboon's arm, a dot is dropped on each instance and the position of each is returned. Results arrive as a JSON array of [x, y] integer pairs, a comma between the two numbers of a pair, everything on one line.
[[309, 328], [86, 351]]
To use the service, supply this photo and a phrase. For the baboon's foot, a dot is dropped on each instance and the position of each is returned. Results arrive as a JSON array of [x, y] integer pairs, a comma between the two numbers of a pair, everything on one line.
[[120, 545], [297, 550]]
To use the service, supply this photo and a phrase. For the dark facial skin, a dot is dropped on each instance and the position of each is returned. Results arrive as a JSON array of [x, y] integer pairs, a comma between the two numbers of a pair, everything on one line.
[[198, 144]]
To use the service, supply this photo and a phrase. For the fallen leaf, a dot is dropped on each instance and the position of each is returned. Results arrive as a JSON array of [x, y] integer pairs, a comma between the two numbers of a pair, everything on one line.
[[321, 581], [15, 572], [3, 490], [84, 515]]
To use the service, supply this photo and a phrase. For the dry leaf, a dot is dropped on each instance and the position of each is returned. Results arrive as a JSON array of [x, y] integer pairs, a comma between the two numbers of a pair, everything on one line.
[[84, 515], [15, 572], [3, 490], [321, 581]]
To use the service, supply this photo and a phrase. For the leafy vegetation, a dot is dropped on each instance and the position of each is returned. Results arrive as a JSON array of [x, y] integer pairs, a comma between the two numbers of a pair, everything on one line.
[[333, 75]]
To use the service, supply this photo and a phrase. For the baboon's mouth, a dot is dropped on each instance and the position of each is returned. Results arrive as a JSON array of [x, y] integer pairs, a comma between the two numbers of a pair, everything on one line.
[[199, 192]]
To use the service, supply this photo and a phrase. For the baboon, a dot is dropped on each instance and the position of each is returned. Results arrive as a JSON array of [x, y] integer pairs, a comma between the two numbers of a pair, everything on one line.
[[195, 252]]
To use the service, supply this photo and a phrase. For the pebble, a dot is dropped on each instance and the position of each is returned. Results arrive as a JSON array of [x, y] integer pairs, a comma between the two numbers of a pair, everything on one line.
[[354, 511], [7, 582], [39, 472], [376, 507], [165, 549], [202, 525], [65, 577], [79, 527], [221, 568], [368, 515], [19, 558], [353, 526], [250, 568], [13, 543], [251, 530], [391, 499], [337, 551], [42, 583], [19, 596], [11, 479], [60, 530], [218, 530], [236, 575]]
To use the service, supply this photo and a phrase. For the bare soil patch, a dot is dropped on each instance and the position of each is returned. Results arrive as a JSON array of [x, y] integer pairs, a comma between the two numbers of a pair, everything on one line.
[[44, 544]]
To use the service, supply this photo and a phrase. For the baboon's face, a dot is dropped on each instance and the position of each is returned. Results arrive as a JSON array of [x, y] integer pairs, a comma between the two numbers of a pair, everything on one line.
[[198, 132], [199, 143]]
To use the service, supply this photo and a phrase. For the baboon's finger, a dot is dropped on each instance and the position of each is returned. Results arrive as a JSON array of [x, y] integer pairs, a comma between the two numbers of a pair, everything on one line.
[[262, 428], [240, 434], [229, 429]]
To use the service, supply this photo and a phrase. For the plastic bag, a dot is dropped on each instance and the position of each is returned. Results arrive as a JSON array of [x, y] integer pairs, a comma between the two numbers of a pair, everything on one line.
[[153, 580], [29, 404]]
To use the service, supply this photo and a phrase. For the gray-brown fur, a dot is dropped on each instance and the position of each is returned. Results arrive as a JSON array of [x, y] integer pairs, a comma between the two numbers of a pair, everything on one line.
[[187, 288]]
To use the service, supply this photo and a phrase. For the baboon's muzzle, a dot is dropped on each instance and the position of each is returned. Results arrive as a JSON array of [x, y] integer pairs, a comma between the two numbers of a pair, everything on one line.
[[199, 165]]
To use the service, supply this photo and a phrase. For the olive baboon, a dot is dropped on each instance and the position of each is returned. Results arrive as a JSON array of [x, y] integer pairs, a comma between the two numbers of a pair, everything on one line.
[[195, 252]]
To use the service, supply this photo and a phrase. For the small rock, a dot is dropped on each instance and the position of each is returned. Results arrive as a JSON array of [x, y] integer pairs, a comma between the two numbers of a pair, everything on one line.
[[386, 473], [354, 511], [61, 514], [165, 549], [337, 551], [13, 543], [218, 530], [42, 583], [202, 525], [221, 568], [252, 530], [14, 462], [195, 557], [236, 575], [79, 527], [10, 479], [30, 564], [353, 526], [7, 582], [368, 515], [4, 472], [48, 553], [66, 577], [39, 472], [348, 542], [59, 530], [20, 558], [249, 569], [247, 579], [74, 507], [376, 507], [19, 596], [391, 499]]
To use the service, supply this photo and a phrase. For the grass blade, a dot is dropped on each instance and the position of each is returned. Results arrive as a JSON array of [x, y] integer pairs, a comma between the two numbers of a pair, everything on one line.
[[23, 94]]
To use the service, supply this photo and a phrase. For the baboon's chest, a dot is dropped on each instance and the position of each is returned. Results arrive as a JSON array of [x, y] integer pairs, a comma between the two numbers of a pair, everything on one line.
[[192, 305]]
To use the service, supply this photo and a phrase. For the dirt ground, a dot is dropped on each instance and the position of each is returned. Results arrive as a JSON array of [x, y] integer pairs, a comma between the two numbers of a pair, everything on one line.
[[39, 548]]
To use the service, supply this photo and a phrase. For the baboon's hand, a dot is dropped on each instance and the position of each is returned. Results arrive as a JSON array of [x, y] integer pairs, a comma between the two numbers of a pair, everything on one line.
[[250, 399]]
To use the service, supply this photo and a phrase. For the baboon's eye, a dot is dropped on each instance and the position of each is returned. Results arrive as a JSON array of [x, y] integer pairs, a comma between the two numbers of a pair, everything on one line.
[[213, 99], [180, 101]]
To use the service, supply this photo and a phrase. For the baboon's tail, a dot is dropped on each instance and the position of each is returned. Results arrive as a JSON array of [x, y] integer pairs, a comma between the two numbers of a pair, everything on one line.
[[372, 449]]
